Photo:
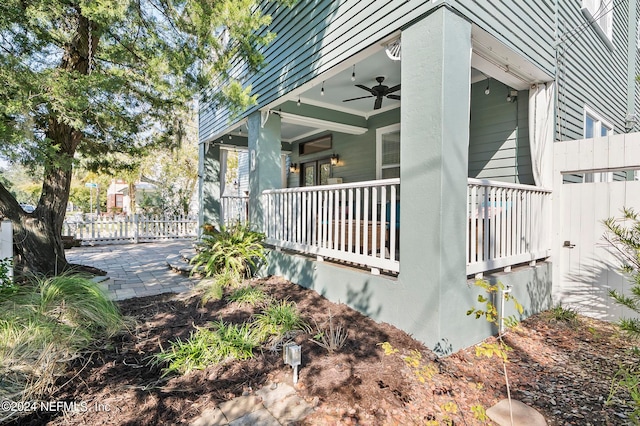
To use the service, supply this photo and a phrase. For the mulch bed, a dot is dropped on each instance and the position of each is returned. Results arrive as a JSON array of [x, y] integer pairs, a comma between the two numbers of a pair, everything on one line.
[[564, 370]]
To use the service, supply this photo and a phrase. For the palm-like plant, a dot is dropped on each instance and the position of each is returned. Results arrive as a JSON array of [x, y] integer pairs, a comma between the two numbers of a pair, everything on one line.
[[234, 250]]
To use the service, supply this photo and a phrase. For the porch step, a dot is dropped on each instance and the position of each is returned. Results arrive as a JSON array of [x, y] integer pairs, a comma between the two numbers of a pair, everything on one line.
[[178, 263]]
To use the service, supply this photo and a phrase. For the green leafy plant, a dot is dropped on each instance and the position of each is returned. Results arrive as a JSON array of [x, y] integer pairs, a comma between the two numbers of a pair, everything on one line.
[[278, 320], [234, 250], [490, 312], [627, 380], [624, 236], [5, 268], [561, 313], [333, 338], [248, 295], [45, 322], [209, 345]]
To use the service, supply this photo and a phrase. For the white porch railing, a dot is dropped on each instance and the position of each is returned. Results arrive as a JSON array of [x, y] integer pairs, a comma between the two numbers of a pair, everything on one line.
[[235, 209], [131, 229], [509, 224], [354, 222]]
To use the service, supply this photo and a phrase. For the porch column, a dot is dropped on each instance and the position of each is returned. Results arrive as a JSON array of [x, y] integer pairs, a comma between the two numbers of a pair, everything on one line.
[[209, 180], [436, 74], [264, 163]]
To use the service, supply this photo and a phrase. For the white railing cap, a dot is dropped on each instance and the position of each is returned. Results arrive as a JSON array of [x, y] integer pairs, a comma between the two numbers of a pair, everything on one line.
[[363, 184], [499, 184]]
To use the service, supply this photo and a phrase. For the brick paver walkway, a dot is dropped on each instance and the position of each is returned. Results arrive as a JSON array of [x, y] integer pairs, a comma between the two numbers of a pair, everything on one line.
[[135, 270]]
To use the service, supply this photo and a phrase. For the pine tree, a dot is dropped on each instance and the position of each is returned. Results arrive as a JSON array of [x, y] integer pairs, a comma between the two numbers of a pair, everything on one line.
[[84, 78]]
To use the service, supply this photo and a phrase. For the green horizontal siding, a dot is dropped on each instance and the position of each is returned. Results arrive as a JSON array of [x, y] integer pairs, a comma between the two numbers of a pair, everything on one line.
[[357, 152], [499, 135], [314, 36]]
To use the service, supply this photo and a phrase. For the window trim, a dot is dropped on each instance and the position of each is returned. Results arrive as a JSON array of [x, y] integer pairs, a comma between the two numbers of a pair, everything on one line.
[[605, 34], [379, 132], [599, 120]]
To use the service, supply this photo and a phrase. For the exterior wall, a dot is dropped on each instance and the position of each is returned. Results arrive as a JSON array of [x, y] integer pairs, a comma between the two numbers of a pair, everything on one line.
[[591, 74], [314, 36], [357, 152], [389, 300], [499, 135]]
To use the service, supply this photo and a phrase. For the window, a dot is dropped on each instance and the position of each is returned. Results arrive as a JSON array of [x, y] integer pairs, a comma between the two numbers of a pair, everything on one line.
[[600, 14], [594, 127], [388, 152], [316, 145]]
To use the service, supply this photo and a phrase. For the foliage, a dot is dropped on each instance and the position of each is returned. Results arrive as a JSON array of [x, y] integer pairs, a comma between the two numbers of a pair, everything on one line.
[[175, 174], [278, 320], [624, 236], [490, 312], [561, 313], [248, 295], [332, 339], [5, 268], [211, 345], [421, 370], [627, 382], [233, 250], [46, 322], [212, 289], [85, 79]]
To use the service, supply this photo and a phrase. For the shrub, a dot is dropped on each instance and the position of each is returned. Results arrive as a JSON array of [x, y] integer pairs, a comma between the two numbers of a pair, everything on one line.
[[5, 267], [625, 239], [43, 324], [278, 320], [560, 313], [234, 250], [624, 236], [333, 338], [247, 295], [207, 346]]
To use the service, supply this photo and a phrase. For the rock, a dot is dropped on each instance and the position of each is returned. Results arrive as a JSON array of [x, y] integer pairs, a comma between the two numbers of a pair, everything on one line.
[[523, 415]]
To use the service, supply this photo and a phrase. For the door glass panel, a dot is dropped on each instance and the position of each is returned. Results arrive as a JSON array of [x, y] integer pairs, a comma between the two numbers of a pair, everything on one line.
[[391, 148], [309, 175], [325, 173]]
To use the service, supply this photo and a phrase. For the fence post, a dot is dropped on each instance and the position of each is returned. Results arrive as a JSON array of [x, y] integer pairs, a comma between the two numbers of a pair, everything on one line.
[[6, 245], [136, 225]]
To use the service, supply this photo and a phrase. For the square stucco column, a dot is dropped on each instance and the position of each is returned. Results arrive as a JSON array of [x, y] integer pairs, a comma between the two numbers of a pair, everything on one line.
[[264, 163], [209, 180], [436, 73]]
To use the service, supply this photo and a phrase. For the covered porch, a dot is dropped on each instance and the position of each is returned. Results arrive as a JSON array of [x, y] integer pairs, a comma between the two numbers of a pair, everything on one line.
[[416, 191]]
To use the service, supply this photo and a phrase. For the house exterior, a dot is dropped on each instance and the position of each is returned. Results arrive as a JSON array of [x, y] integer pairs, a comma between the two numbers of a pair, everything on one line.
[[399, 150], [119, 198]]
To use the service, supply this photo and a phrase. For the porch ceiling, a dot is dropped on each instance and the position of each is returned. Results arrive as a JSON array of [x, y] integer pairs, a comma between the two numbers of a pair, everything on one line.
[[490, 59]]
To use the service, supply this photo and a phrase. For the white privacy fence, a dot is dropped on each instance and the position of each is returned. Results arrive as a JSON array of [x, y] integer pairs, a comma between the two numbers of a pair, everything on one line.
[[235, 209], [354, 222], [135, 228], [509, 224]]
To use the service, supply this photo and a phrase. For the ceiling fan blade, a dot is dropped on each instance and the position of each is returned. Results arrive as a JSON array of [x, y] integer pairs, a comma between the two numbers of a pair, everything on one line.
[[355, 99], [365, 88], [396, 97], [378, 103], [393, 89]]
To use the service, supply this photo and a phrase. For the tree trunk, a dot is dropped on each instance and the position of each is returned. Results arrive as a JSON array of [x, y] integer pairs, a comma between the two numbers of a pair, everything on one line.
[[38, 235]]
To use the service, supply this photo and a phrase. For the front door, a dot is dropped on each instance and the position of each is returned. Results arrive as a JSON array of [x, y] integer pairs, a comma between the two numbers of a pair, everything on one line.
[[316, 172]]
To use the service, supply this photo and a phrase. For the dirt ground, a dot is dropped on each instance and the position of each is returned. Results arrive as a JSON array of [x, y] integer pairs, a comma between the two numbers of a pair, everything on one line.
[[562, 369]]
